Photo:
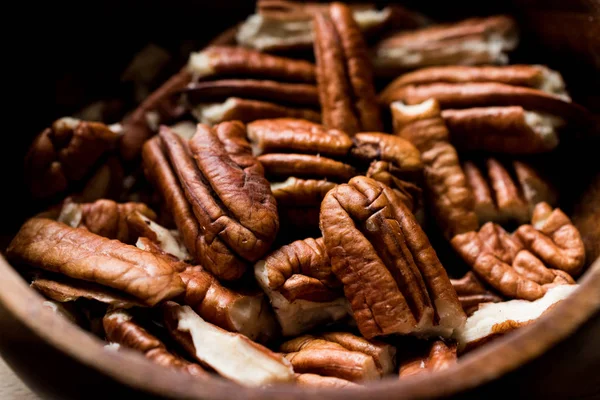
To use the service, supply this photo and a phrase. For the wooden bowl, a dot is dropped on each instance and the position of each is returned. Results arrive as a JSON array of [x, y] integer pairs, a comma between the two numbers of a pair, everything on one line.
[[556, 357]]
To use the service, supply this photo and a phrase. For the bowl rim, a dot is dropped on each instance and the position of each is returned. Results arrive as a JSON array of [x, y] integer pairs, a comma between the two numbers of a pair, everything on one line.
[[133, 369]]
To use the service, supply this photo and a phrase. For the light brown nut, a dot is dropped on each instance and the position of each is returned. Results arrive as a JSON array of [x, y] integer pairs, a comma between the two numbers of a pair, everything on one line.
[[229, 60], [496, 319], [232, 355], [383, 354], [534, 187], [471, 293], [303, 290], [318, 381], [510, 130], [386, 173], [508, 199], [390, 272], [122, 330], [64, 154], [105, 218], [245, 110], [80, 254], [159, 108], [447, 191], [306, 166], [228, 194], [301, 192], [247, 312], [468, 42], [489, 94], [503, 264], [553, 239], [66, 290], [302, 94], [533, 76], [168, 241], [344, 75], [286, 134], [381, 146], [439, 356]]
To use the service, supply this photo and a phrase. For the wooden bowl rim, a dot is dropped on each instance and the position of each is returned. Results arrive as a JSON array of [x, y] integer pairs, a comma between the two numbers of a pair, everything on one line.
[[131, 368]]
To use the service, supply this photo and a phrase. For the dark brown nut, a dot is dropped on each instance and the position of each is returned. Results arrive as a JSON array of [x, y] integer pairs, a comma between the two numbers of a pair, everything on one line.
[[471, 293], [247, 312], [65, 153], [386, 173], [167, 241], [318, 381], [229, 60], [159, 108], [80, 254], [502, 263], [236, 109], [228, 194], [496, 319], [489, 94], [105, 218], [390, 272], [469, 42], [553, 239], [286, 134], [301, 192], [344, 76], [383, 354], [306, 166], [317, 356], [232, 355], [510, 130], [446, 185], [439, 356], [533, 76], [403, 155], [66, 290], [302, 94], [586, 216], [122, 330], [303, 290]]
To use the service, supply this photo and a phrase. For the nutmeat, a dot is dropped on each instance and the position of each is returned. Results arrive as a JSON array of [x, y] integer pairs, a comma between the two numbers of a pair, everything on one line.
[[390, 272], [440, 356], [471, 293]]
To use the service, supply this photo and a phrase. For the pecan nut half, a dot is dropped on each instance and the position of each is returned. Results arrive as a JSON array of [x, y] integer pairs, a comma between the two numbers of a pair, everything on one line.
[[469, 42], [390, 272], [238, 61], [65, 153], [121, 329], [302, 288], [445, 182], [344, 75], [439, 356], [245, 110], [80, 254], [168, 241], [306, 166], [232, 355], [471, 293], [496, 319], [301, 192], [318, 381], [401, 153]]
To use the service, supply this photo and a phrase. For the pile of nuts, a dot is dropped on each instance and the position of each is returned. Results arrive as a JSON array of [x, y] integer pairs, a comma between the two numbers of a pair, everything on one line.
[[260, 216]]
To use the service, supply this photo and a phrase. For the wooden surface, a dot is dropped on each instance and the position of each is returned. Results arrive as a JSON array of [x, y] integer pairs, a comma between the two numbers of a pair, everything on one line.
[[11, 387]]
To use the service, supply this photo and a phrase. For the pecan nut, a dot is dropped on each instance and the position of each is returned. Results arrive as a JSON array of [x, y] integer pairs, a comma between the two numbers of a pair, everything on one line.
[[390, 272], [301, 192], [386, 173], [80, 254], [471, 293], [222, 350], [447, 190], [344, 75], [318, 381], [469, 42], [439, 356], [65, 153], [121, 329], [401, 153], [302, 288], [168, 241], [306, 166]]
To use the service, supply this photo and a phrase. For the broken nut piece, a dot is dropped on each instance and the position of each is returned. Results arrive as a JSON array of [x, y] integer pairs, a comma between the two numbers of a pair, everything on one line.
[[167, 240], [440, 356]]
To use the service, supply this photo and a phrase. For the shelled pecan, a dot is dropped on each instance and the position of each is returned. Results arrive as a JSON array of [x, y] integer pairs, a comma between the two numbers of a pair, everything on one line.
[[121, 329], [471, 293], [64, 154], [446, 185], [469, 42], [439, 356], [222, 350], [80, 254], [344, 75], [496, 319], [302, 288], [501, 198], [517, 266], [168, 241], [318, 381], [390, 272]]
